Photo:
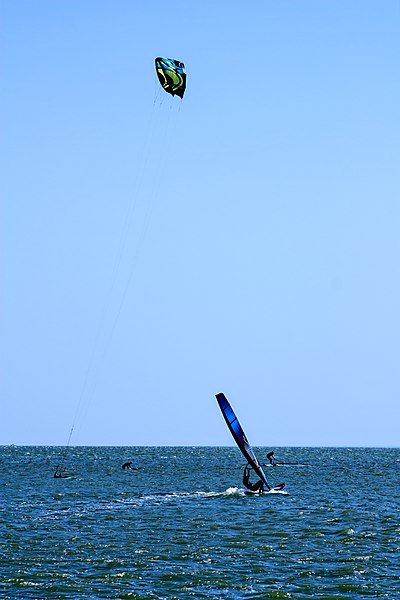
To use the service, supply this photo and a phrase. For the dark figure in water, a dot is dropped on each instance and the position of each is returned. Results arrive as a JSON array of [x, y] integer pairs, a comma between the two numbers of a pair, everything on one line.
[[254, 487], [128, 465], [60, 473], [271, 458]]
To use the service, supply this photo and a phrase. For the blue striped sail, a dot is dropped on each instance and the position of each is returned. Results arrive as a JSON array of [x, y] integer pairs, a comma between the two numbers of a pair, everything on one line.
[[239, 436]]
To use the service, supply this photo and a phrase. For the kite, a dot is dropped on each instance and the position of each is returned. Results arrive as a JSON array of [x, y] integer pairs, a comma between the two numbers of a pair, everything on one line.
[[171, 74]]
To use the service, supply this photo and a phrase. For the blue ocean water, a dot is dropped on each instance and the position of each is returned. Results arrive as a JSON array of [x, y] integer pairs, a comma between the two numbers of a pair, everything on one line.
[[182, 526]]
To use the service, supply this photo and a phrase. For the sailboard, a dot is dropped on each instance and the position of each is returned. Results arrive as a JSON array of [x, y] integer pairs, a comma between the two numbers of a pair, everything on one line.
[[286, 464], [241, 440]]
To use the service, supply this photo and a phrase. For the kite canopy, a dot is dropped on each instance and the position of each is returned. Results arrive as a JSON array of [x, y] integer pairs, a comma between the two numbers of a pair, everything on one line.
[[171, 74]]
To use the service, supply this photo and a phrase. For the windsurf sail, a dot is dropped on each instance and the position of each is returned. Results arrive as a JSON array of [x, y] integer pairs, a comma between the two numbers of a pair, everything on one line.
[[239, 436]]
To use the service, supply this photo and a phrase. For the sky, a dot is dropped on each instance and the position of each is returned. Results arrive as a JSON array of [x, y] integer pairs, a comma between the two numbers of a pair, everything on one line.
[[244, 240]]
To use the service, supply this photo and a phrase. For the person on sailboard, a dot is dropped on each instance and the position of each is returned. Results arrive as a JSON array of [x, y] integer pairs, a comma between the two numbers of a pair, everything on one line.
[[271, 458], [254, 487]]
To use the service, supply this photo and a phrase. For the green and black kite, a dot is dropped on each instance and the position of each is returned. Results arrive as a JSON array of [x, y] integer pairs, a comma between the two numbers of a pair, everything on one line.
[[171, 74]]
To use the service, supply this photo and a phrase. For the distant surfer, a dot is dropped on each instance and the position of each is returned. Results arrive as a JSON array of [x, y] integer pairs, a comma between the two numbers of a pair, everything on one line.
[[271, 458], [253, 487], [58, 473], [128, 465]]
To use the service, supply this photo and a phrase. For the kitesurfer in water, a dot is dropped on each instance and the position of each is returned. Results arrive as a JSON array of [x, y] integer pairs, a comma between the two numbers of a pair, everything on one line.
[[254, 487], [128, 465], [271, 458], [58, 473]]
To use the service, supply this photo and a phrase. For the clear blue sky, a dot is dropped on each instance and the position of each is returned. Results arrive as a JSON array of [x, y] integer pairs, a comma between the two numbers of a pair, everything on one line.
[[246, 240]]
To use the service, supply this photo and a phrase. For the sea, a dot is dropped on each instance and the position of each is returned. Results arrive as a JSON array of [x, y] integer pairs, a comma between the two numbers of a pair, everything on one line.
[[181, 526]]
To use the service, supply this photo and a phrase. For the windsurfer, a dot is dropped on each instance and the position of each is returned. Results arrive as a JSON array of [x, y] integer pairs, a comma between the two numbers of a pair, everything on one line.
[[254, 487], [271, 458]]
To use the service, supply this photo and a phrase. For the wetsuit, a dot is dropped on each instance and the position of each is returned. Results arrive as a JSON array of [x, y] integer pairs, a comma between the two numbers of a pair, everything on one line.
[[254, 487], [271, 458]]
